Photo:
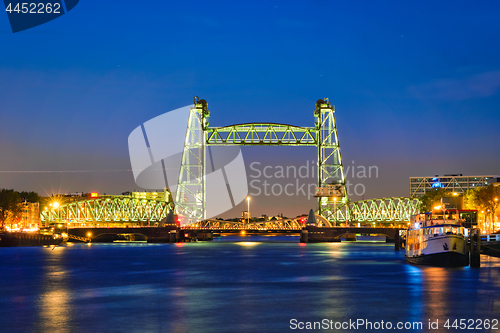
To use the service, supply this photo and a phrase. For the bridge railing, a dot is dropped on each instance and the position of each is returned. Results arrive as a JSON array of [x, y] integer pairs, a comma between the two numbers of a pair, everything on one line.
[[490, 238]]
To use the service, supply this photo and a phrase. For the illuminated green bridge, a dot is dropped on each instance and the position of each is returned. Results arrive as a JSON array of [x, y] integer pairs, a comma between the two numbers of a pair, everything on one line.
[[334, 206], [109, 209], [120, 209]]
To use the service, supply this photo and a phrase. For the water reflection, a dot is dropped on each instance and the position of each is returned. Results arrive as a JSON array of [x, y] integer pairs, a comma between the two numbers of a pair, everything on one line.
[[436, 289], [415, 295], [233, 287], [247, 244], [54, 305]]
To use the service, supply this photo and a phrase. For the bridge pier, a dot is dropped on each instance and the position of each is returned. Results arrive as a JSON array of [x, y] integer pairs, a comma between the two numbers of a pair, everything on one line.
[[397, 241], [304, 236], [312, 234]]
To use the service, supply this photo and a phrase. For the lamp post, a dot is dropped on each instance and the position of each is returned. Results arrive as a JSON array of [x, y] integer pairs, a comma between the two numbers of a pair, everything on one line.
[[493, 216], [248, 210], [335, 210]]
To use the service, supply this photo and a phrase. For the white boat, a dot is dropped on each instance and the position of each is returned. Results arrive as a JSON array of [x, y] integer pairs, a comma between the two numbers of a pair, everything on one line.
[[437, 240]]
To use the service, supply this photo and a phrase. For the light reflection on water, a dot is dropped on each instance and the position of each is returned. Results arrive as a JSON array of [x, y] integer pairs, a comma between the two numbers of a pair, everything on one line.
[[54, 303], [246, 284]]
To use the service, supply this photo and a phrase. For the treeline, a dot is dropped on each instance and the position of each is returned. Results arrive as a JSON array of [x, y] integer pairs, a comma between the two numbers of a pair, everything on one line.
[[11, 203], [484, 199]]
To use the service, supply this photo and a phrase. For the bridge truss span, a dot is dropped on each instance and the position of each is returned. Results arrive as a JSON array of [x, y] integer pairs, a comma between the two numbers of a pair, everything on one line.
[[264, 134], [109, 209], [384, 210], [281, 224]]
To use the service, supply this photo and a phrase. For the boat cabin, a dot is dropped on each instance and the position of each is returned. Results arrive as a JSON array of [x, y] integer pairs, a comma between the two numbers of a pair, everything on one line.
[[460, 217]]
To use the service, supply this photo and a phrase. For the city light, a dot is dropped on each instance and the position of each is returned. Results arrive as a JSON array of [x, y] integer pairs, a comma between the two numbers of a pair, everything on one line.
[[248, 243]]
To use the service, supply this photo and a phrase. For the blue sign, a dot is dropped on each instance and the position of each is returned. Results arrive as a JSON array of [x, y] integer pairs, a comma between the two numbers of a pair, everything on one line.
[[436, 183]]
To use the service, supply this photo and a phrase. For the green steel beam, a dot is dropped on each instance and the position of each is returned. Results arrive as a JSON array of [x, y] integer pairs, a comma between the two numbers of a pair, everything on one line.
[[191, 189], [261, 134], [330, 168]]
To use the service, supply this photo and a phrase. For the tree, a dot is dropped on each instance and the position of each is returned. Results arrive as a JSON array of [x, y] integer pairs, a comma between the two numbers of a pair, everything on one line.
[[29, 196], [9, 205], [431, 198], [486, 199]]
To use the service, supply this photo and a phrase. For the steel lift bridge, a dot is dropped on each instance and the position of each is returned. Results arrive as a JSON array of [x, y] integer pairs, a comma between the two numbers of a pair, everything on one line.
[[333, 202]]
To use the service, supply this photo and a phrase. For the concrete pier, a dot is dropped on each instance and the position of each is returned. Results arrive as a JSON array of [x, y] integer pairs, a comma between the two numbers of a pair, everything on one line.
[[313, 234]]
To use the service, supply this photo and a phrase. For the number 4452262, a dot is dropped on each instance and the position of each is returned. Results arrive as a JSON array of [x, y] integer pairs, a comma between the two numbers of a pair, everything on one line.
[[33, 8], [471, 324]]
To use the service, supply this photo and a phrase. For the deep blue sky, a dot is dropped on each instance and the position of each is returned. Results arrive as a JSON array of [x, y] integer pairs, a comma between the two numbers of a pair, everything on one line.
[[415, 85]]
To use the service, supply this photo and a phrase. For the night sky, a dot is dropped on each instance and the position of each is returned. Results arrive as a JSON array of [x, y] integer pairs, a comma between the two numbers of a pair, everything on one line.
[[415, 85]]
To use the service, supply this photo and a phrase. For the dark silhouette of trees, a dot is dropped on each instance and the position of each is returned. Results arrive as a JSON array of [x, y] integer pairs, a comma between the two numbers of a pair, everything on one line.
[[9, 205]]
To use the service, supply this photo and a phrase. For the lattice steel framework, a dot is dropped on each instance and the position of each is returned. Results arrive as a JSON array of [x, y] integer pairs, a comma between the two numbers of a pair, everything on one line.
[[262, 134], [396, 209], [383, 210], [109, 209], [330, 169], [282, 224], [191, 193], [190, 196]]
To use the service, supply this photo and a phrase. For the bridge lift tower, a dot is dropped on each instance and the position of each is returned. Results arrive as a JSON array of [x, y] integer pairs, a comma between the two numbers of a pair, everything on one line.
[[191, 192]]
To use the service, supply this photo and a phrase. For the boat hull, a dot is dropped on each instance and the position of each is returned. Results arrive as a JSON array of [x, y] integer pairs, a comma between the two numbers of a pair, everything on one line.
[[443, 259]]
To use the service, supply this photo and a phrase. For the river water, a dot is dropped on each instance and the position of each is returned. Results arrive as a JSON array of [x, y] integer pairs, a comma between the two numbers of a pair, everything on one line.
[[233, 284]]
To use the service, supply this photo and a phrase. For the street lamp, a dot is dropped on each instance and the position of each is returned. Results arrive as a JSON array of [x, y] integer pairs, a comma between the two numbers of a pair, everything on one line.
[[248, 211], [335, 210]]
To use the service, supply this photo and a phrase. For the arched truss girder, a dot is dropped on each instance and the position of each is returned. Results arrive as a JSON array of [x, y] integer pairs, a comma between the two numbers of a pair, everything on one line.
[[264, 134], [396, 209], [109, 209]]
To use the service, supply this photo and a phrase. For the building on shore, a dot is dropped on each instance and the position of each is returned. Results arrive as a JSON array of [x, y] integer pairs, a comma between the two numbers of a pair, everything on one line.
[[162, 196], [30, 215], [456, 183]]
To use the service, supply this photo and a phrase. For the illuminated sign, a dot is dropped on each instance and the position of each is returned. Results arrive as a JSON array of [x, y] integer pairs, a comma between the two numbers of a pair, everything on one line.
[[436, 183]]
